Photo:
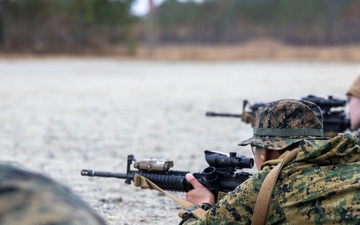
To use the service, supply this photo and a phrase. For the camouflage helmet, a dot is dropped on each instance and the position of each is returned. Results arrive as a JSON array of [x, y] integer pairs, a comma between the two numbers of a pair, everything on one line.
[[282, 123]]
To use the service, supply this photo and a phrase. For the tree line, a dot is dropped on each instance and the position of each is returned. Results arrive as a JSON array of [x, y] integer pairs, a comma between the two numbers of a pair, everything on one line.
[[56, 26], [53, 26], [320, 22]]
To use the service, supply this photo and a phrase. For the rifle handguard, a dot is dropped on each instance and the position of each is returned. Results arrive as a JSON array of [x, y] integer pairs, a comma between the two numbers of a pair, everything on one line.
[[248, 118], [195, 210]]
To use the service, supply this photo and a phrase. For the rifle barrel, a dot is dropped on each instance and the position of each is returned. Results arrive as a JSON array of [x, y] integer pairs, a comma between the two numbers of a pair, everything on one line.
[[93, 173], [223, 114]]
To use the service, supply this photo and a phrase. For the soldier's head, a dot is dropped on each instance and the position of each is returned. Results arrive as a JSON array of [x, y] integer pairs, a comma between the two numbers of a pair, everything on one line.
[[282, 124], [354, 104]]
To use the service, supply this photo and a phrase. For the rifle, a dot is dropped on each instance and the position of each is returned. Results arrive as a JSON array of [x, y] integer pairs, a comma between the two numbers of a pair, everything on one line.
[[335, 121], [246, 116], [219, 176]]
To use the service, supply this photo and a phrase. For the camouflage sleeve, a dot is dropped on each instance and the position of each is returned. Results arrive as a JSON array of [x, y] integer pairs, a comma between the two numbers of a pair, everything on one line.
[[235, 208], [357, 134], [33, 199]]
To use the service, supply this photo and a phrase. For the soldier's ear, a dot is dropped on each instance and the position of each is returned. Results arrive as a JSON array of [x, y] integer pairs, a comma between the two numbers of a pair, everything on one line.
[[262, 156]]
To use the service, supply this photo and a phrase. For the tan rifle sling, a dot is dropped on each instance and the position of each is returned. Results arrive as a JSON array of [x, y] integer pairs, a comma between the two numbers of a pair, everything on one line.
[[143, 182], [263, 200]]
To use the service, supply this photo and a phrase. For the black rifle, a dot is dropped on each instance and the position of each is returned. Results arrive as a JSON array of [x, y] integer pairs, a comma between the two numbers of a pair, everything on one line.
[[334, 116], [246, 116], [220, 175]]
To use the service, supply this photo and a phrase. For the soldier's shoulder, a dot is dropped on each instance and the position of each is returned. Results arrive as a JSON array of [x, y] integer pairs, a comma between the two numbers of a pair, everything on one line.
[[29, 197]]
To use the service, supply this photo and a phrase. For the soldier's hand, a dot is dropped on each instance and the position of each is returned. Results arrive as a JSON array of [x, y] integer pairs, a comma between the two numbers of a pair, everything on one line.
[[199, 194]]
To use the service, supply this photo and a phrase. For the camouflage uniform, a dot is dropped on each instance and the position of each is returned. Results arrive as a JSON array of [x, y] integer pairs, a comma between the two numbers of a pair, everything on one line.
[[320, 186], [357, 134], [32, 199]]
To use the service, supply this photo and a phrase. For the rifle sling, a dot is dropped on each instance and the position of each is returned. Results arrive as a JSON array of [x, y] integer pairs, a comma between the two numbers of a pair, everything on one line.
[[143, 182], [263, 199]]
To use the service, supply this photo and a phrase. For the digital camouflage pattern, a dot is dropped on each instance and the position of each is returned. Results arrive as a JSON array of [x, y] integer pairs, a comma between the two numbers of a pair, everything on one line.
[[320, 186], [280, 118], [357, 134], [32, 199]]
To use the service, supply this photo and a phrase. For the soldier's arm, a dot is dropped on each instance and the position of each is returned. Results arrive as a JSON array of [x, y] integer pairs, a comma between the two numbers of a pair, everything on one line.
[[236, 207]]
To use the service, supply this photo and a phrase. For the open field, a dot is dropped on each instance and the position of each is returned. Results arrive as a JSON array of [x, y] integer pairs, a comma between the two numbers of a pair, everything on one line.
[[254, 50], [60, 115]]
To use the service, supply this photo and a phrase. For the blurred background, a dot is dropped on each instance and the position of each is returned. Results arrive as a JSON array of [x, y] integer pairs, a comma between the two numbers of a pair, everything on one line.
[[183, 29], [84, 83]]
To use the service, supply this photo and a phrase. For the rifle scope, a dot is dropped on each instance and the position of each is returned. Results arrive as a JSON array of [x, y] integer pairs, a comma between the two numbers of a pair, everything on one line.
[[221, 160]]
